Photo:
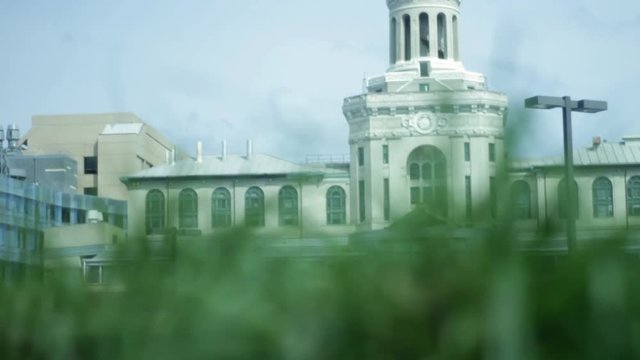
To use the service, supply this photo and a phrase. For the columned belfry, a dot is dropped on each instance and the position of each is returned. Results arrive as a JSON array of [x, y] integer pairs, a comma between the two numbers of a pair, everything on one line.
[[427, 133]]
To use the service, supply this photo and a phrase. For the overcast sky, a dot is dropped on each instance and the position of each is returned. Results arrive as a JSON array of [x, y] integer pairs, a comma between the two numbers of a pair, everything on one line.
[[277, 71]]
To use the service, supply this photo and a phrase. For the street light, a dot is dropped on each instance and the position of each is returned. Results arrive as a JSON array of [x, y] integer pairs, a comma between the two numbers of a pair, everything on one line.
[[567, 105]]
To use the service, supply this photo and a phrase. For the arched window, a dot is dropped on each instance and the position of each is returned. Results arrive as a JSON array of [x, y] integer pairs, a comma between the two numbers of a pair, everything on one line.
[[563, 199], [336, 206], [406, 21], [154, 212], [254, 207], [520, 200], [428, 179], [633, 196], [456, 49], [425, 49], [288, 206], [221, 208], [188, 209], [414, 171], [442, 36], [602, 198], [393, 47]]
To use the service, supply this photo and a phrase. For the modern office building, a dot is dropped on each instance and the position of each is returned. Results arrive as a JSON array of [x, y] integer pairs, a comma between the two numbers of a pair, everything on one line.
[[105, 147], [44, 224]]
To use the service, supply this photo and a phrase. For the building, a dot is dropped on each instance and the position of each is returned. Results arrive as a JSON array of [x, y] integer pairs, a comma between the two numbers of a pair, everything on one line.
[[105, 147], [277, 198], [44, 224], [426, 133], [607, 184]]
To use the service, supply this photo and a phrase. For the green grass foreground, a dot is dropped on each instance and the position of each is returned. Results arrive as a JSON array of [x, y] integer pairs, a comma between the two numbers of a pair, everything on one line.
[[229, 301]]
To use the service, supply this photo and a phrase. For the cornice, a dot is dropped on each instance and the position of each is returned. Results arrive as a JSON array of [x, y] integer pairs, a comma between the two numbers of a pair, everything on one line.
[[392, 4]]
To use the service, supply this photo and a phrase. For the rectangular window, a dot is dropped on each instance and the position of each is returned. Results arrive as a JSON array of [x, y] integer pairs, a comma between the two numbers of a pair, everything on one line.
[[493, 198], [91, 191], [492, 152], [360, 156], [385, 154], [467, 152], [361, 200], [467, 191], [90, 164], [387, 205], [415, 195]]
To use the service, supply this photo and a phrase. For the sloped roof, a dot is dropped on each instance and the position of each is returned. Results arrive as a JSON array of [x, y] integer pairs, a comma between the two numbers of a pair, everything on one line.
[[232, 165], [605, 154]]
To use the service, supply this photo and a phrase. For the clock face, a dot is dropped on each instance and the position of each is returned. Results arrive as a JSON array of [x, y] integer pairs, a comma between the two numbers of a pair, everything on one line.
[[424, 122]]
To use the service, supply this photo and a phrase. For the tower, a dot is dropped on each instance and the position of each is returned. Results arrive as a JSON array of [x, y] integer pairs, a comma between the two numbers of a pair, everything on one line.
[[427, 132]]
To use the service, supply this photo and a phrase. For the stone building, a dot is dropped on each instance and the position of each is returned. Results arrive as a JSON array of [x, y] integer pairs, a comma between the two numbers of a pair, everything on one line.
[[276, 198], [427, 132]]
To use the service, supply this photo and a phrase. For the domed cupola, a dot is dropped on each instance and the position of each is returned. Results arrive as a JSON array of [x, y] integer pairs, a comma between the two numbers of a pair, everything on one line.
[[424, 31]]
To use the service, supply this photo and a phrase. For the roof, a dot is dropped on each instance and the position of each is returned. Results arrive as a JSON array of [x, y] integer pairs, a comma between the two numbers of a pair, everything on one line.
[[122, 129], [605, 154], [232, 165]]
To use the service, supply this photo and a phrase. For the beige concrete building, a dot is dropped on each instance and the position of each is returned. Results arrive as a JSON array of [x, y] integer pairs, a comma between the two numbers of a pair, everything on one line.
[[105, 147]]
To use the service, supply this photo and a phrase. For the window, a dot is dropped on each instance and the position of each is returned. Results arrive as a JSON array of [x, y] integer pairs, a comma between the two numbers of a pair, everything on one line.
[[424, 87], [288, 206], [467, 151], [188, 209], [361, 194], [414, 171], [91, 191], [520, 200], [492, 152], [602, 198], [563, 199], [360, 156], [424, 35], [633, 196], [467, 194], [393, 38], [90, 164], [406, 20], [385, 154], [428, 179], [442, 37], [415, 195], [493, 196], [221, 208], [336, 206], [254, 207], [154, 205], [386, 200]]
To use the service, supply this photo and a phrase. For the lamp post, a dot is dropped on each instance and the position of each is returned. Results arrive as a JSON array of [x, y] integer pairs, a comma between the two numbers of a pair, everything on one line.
[[568, 106]]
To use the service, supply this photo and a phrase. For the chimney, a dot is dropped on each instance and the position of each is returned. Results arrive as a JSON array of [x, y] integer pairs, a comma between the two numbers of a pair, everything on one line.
[[597, 140], [199, 158], [249, 149], [223, 155]]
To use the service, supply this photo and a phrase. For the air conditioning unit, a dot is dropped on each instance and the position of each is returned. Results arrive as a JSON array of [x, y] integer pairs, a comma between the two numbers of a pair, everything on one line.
[[94, 217]]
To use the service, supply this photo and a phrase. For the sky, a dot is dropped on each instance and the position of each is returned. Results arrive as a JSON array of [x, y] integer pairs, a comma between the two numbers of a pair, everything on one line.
[[276, 72]]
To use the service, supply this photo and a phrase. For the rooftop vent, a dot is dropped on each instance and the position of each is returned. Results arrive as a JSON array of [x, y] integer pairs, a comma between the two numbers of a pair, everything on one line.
[[633, 140], [13, 136]]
